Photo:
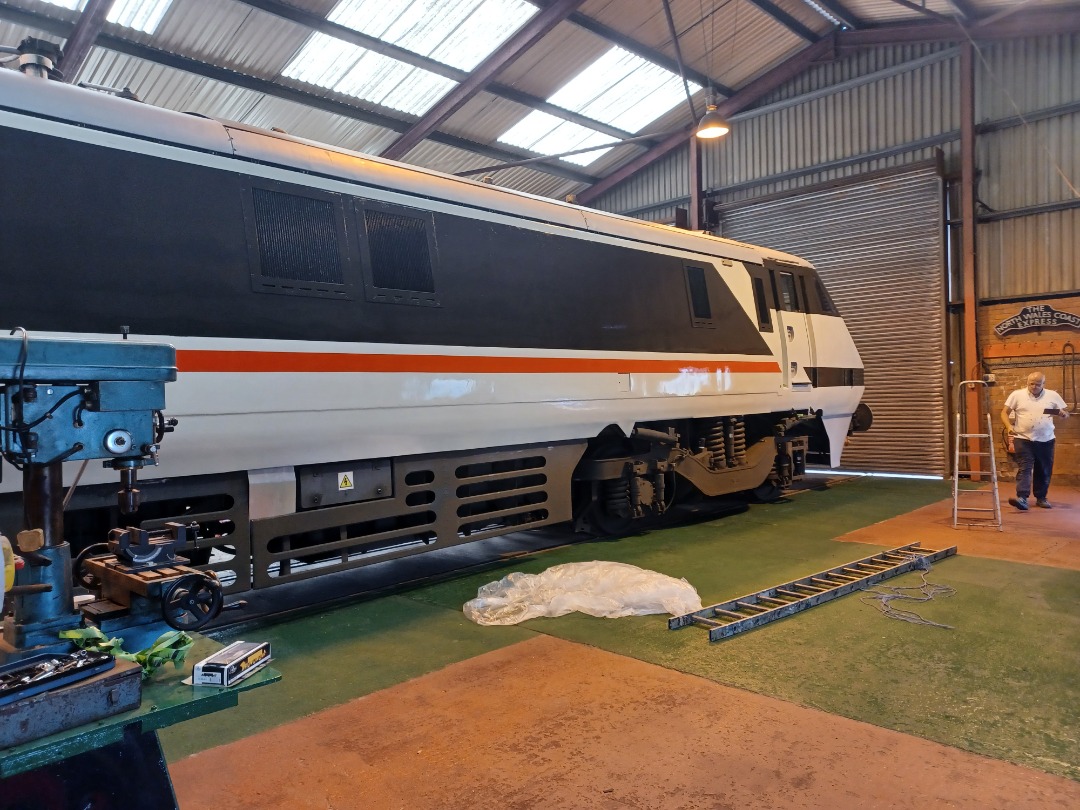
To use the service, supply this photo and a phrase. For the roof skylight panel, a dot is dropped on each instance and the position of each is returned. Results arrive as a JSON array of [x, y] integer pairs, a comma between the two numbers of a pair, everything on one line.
[[460, 33], [141, 15], [546, 134], [623, 90], [323, 61], [619, 88], [493, 22], [340, 66]]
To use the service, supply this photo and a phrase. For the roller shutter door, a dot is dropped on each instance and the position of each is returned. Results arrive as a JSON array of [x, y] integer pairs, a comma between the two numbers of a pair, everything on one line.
[[878, 244]]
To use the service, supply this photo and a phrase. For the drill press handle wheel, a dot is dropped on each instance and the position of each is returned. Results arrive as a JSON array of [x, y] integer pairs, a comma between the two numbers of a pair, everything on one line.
[[191, 602]]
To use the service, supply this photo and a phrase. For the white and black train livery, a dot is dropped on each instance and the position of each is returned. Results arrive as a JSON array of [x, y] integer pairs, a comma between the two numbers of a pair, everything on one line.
[[376, 360]]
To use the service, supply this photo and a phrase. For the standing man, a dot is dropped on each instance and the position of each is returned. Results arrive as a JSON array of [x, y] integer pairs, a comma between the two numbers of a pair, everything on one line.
[[1028, 415]]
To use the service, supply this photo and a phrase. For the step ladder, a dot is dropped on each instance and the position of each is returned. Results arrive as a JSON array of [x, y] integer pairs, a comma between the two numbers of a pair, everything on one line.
[[975, 510], [753, 610]]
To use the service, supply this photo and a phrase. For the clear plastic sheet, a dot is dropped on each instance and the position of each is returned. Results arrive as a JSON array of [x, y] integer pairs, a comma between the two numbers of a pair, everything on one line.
[[598, 588]]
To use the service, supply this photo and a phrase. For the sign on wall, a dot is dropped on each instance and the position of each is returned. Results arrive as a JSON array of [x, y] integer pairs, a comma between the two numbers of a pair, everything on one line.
[[1037, 316]]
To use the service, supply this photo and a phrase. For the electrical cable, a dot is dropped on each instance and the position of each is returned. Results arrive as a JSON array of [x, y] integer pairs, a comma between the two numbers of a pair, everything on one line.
[[883, 595], [17, 424], [23, 427]]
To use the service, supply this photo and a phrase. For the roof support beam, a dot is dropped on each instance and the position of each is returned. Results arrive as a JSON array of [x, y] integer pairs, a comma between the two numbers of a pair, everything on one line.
[[839, 11], [1036, 22], [78, 45], [1008, 11], [766, 83], [527, 36], [924, 10], [786, 20]]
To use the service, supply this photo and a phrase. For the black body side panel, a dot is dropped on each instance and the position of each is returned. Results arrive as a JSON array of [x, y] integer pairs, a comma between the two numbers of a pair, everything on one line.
[[102, 238]]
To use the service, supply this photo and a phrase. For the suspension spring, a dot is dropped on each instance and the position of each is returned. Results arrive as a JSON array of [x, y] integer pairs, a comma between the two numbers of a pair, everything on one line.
[[714, 440], [617, 497], [739, 449]]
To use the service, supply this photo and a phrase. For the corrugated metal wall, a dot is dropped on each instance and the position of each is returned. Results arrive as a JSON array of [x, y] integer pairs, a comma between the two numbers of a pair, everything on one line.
[[1034, 163], [878, 245], [894, 106], [904, 104]]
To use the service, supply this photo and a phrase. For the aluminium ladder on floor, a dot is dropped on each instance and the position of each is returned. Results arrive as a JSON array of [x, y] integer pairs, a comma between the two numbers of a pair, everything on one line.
[[753, 610], [975, 511]]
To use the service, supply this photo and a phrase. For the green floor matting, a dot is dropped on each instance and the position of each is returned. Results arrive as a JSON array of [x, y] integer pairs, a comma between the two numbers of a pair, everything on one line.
[[328, 658], [1002, 683]]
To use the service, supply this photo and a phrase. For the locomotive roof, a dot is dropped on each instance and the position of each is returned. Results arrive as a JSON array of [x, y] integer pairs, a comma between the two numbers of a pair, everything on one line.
[[62, 102]]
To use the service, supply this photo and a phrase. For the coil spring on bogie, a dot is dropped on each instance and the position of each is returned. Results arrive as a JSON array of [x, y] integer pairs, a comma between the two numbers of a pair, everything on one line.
[[725, 440], [713, 439], [617, 497], [739, 444]]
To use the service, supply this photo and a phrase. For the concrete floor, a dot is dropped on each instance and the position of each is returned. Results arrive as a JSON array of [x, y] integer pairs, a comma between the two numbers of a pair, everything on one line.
[[579, 712]]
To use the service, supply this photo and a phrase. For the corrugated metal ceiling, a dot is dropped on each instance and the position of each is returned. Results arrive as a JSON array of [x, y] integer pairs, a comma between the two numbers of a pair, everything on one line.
[[225, 58]]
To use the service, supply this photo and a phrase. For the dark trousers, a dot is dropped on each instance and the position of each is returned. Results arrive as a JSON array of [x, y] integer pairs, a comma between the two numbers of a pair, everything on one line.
[[1036, 460]]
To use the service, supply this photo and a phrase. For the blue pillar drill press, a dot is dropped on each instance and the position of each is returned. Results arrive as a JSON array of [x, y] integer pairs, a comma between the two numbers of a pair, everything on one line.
[[69, 400]]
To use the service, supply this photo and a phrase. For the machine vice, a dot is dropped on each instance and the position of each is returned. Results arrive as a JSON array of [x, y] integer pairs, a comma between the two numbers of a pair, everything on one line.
[[138, 578]]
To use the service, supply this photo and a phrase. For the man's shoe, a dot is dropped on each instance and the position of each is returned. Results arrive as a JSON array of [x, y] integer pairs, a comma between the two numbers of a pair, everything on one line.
[[1019, 503], [1045, 504]]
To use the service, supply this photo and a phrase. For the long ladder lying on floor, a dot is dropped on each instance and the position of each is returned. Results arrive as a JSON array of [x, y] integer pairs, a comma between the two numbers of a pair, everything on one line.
[[978, 514], [728, 618]]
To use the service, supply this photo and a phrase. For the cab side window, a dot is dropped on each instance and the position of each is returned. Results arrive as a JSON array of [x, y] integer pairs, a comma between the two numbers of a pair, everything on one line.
[[697, 291], [788, 293], [762, 303]]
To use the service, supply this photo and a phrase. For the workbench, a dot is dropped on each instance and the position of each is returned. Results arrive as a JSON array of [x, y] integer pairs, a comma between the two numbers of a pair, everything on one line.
[[117, 761]]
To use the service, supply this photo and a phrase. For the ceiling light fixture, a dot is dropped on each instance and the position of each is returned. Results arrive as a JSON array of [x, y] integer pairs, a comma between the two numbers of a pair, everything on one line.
[[712, 123]]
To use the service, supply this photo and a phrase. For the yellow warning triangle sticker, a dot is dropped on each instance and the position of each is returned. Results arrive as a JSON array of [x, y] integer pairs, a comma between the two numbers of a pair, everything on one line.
[[345, 483]]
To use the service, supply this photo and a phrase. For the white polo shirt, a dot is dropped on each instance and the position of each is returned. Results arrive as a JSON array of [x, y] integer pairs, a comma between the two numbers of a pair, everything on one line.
[[1030, 420]]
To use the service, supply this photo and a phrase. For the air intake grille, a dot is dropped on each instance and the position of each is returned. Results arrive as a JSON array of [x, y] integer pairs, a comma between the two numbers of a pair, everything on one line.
[[297, 238], [400, 259]]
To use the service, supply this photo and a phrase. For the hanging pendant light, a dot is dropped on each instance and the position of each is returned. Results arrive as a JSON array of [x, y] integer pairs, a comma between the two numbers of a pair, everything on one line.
[[712, 124]]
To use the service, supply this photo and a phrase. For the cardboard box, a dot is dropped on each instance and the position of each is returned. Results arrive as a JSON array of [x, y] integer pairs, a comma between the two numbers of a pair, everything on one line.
[[232, 664]]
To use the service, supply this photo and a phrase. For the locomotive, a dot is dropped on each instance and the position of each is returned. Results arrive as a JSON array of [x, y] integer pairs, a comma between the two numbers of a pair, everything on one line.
[[376, 360]]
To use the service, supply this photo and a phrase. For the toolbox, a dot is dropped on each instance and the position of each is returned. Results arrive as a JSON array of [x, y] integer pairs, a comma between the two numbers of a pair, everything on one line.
[[55, 699]]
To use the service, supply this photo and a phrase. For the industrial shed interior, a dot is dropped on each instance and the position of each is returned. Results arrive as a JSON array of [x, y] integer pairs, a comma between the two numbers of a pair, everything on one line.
[[488, 434]]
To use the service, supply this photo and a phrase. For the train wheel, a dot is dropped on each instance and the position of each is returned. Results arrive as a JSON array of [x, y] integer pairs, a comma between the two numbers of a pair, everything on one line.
[[604, 505], [607, 525], [767, 492]]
